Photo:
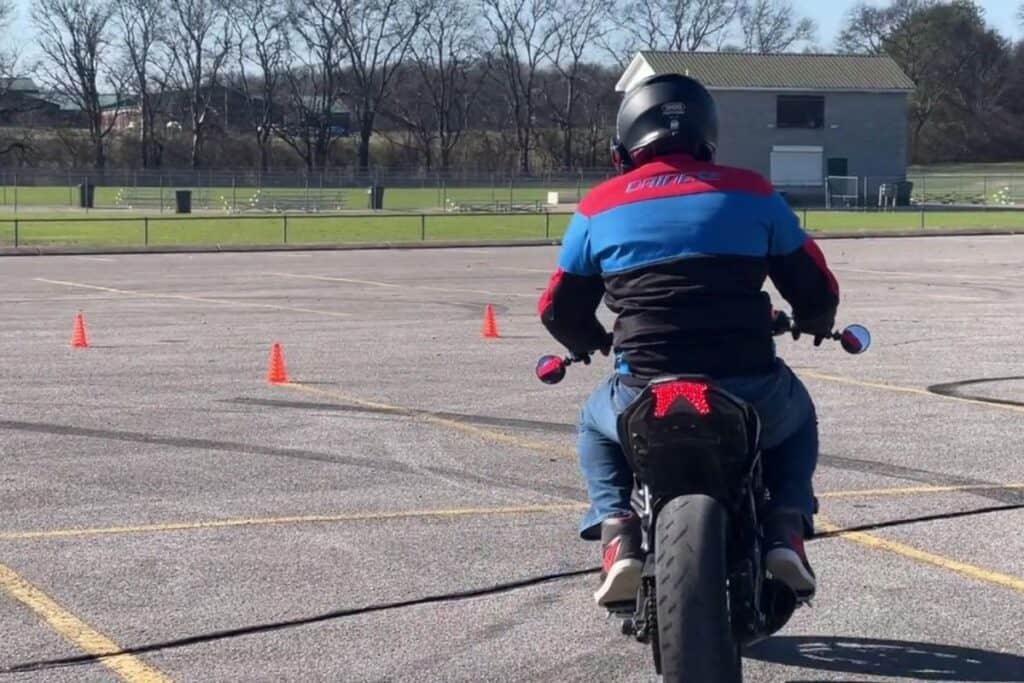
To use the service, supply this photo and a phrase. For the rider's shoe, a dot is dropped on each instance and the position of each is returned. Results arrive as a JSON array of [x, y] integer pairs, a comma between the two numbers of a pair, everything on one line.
[[785, 558], [623, 561]]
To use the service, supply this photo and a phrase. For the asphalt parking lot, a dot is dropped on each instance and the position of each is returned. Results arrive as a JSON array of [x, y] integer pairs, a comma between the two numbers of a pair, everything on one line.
[[163, 503]]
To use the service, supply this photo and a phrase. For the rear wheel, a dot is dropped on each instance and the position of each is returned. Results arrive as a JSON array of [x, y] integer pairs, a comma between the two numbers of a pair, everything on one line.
[[694, 630]]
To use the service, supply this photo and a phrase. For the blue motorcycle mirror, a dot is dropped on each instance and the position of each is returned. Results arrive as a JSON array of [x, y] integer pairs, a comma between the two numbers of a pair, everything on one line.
[[855, 339]]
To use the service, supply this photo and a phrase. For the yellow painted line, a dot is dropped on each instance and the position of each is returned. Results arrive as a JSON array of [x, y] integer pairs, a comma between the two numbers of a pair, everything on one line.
[[946, 278], [915, 490], [855, 536], [969, 570], [76, 631], [907, 390], [427, 416], [512, 269], [549, 449], [296, 519], [392, 285], [185, 297]]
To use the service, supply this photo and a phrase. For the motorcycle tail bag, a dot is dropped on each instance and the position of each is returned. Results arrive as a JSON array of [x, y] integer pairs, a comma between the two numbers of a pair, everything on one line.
[[683, 435]]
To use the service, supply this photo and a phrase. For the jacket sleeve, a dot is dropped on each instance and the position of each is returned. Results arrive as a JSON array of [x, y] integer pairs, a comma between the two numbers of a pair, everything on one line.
[[797, 266], [569, 304]]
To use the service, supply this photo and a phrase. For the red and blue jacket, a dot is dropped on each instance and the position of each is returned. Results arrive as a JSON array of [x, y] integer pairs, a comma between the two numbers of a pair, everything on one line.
[[680, 250]]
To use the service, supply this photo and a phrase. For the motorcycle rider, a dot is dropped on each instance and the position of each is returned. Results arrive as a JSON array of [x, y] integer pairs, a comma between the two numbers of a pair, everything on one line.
[[679, 248]]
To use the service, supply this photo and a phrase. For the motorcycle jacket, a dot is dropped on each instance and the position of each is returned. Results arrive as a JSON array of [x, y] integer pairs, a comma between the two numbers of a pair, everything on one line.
[[680, 250]]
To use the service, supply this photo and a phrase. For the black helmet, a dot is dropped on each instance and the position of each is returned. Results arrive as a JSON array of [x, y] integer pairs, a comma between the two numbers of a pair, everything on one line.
[[664, 114]]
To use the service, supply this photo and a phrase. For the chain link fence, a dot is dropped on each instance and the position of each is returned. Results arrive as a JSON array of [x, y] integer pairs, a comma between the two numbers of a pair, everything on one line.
[[247, 191]]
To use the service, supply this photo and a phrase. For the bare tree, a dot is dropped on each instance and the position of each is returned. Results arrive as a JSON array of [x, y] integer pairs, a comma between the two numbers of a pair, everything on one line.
[[577, 28], [12, 140], [522, 32], [74, 41], [262, 29], [441, 80], [198, 41], [313, 81], [140, 25], [8, 56], [773, 25], [867, 26], [376, 35], [674, 25]]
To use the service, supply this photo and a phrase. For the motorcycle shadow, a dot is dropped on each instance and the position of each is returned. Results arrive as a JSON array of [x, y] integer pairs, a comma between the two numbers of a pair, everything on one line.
[[889, 658]]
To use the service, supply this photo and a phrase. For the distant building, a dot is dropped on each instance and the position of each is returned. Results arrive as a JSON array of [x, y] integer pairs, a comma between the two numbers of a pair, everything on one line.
[[798, 118], [23, 104]]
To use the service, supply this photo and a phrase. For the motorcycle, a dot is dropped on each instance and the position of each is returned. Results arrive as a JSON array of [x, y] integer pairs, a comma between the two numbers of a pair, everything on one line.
[[698, 489]]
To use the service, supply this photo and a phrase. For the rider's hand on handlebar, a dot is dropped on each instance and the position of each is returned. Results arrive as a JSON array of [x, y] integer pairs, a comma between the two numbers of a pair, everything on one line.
[[820, 326]]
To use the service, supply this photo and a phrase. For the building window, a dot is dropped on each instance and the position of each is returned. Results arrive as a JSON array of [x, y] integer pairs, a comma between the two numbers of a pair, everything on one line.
[[800, 111]]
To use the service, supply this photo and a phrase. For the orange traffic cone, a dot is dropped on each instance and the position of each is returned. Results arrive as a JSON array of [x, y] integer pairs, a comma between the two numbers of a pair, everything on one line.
[[276, 373], [79, 340], [490, 330]]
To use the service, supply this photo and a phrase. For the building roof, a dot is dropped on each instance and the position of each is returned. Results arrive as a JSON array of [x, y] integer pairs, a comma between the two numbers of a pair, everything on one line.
[[746, 71], [18, 84]]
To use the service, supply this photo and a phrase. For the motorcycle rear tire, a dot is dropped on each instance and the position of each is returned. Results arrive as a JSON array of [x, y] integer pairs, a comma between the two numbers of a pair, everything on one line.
[[694, 630]]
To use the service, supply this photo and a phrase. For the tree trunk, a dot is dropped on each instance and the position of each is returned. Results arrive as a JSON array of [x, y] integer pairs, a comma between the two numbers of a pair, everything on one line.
[[264, 145], [100, 158], [196, 145], [567, 149], [365, 131], [320, 151], [446, 157]]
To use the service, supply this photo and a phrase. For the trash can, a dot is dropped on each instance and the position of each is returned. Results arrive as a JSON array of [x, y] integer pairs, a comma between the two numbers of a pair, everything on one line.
[[183, 201], [86, 195], [376, 194], [904, 191]]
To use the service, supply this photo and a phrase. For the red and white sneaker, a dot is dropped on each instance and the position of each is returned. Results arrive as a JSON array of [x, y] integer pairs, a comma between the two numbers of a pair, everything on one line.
[[785, 558], [622, 560]]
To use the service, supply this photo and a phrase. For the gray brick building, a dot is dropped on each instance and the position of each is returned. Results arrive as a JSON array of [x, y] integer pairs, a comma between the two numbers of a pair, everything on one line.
[[799, 118]]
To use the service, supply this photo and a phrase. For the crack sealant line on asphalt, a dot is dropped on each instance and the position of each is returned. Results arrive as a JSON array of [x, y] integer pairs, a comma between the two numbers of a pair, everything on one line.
[[908, 390], [393, 285], [196, 299], [859, 537], [77, 632], [161, 527]]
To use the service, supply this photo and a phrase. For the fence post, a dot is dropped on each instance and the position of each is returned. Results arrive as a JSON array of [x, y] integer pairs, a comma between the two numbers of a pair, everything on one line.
[[15, 193], [922, 216], [145, 231], [15, 231], [423, 227], [284, 235], [547, 225], [234, 194], [984, 189]]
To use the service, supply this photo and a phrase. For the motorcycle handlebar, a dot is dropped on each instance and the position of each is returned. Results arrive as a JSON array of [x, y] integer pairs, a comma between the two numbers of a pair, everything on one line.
[[855, 339]]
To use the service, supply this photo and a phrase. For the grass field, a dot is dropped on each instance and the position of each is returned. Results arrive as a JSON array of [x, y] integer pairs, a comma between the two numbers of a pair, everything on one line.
[[977, 184], [296, 229], [221, 198], [116, 230]]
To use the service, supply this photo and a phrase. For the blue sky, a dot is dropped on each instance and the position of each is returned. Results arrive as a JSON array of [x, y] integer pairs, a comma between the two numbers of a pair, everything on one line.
[[828, 14]]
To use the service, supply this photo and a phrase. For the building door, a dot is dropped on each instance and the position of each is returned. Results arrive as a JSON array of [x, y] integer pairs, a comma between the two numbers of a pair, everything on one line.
[[797, 166]]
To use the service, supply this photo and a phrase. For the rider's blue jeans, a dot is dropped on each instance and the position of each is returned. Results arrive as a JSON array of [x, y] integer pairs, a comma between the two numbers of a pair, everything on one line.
[[789, 443]]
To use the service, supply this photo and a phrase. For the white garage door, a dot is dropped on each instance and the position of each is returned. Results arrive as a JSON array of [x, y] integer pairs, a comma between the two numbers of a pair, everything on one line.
[[794, 166]]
